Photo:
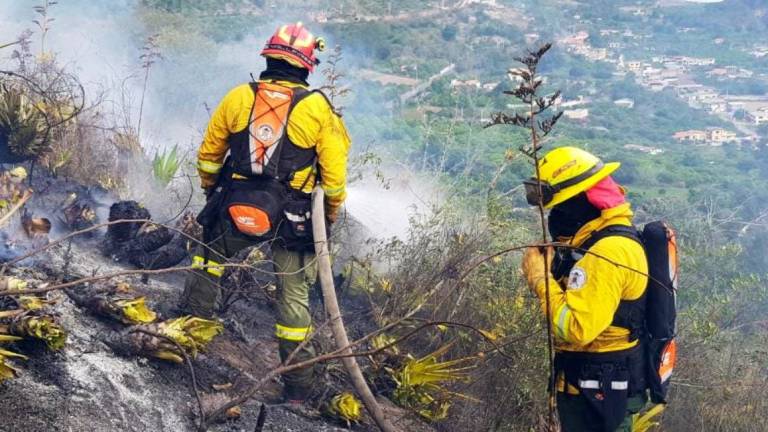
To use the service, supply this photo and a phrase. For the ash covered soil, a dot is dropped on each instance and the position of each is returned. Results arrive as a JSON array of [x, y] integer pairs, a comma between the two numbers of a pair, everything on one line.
[[88, 387]]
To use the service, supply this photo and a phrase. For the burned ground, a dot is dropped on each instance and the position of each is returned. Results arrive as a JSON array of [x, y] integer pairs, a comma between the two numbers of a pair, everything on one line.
[[91, 385]]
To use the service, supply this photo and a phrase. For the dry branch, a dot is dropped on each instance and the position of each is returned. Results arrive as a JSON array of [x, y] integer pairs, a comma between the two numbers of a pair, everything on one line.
[[340, 353], [528, 93], [23, 200], [110, 276], [327, 357], [332, 308]]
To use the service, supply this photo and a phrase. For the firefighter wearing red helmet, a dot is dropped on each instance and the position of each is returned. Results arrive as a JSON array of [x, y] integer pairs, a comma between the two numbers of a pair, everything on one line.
[[266, 146], [296, 45]]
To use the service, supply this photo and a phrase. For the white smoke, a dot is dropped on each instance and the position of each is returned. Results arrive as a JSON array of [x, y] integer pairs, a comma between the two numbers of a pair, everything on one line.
[[101, 42], [385, 208]]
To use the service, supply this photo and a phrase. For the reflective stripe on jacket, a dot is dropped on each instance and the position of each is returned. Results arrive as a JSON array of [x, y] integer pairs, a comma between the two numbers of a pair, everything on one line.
[[312, 124], [582, 313]]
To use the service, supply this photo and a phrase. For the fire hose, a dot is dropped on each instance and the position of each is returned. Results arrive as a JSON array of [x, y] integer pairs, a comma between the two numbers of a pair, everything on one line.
[[334, 313]]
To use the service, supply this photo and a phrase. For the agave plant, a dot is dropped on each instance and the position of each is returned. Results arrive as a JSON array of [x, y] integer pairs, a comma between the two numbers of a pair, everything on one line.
[[165, 165], [345, 407], [7, 371], [647, 420], [191, 333], [420, 383], [24, 302], [125, 309], [23, 128], [39, 326]]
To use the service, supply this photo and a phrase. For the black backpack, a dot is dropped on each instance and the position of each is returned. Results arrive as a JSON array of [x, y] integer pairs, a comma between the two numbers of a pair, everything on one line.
[[661, 307], [652, 317]]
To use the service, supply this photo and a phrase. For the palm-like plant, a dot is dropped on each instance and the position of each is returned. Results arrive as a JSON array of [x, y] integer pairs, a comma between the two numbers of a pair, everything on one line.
[[23, 129], [192, 334], [345, 407], [421, 383], [8, 371], [647, 420], [165, 165], [129, 310], [39, 326]]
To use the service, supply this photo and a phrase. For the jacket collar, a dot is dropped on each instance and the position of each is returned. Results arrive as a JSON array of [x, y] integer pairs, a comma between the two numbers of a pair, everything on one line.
[[289, 84], [619, 215]]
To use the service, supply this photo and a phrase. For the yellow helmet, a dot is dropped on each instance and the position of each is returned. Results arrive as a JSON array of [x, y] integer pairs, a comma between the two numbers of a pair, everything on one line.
[[566, 172]]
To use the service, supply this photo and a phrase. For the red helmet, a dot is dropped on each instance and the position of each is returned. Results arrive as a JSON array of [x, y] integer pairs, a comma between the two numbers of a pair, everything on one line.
[[294, 44]]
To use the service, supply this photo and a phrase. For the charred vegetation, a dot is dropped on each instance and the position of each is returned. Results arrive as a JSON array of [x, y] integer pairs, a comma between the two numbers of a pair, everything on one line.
[[142, 243]]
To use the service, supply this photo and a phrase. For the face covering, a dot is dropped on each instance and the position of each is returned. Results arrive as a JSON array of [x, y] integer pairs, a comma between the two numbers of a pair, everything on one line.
[[566, 218], [606, 194], [282, 70]]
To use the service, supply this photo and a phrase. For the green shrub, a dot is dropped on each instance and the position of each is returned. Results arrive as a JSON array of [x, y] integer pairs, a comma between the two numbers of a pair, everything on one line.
[[165, 165]]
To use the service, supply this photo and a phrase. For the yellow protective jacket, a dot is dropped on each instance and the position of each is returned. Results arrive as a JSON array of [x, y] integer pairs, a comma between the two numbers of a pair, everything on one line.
[[311, 124], [582, 312]]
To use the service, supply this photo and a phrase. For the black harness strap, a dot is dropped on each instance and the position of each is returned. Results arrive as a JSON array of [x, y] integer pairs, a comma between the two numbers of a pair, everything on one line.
[[630, 313], [285, 175]]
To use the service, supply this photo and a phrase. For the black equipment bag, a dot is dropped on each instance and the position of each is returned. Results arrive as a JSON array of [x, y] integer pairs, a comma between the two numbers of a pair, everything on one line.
[[255, 207], [661, 308]]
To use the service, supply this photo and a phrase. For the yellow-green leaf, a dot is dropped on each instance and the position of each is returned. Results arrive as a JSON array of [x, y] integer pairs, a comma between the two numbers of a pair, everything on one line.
[[345, 406], [645, 421], [135, 311]]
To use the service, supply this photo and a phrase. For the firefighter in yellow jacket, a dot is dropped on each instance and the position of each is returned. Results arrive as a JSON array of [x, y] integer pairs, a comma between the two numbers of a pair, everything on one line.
[[267, 144], [596, 291]]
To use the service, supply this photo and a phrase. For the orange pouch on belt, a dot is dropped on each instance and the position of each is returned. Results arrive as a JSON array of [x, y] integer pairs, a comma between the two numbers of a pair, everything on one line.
[[249, 220], [256, 207]]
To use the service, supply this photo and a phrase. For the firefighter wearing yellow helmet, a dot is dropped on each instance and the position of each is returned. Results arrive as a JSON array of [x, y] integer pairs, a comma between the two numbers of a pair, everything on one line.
[[596, 299], [266, 146]]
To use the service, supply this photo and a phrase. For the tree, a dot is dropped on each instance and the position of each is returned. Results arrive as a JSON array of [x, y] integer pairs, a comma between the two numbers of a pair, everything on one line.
[[383, 53], [577, 72], [628, 173], [757, 87], [602, 73], [449, 33], [762, 130]]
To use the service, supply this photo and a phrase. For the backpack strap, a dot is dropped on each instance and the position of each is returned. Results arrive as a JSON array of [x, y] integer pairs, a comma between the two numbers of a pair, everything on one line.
[[276, 169], [631, 313], [566, 257], [629, 232], [314, 161], [299, 94]]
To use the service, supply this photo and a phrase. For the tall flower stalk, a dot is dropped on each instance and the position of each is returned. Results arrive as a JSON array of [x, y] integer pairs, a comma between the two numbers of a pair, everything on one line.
[[150, 54], [539, 123]]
